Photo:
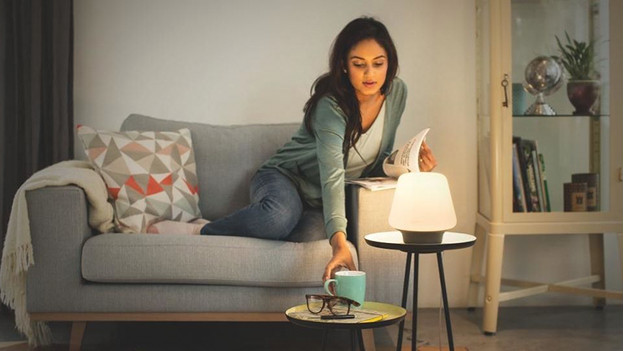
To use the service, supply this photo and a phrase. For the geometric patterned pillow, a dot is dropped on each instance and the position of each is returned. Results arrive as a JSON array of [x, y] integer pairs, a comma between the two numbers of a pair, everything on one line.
[[150, 176]]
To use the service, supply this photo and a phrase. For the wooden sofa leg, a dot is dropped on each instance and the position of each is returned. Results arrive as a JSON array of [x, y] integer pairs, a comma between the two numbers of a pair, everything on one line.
[[77, 332]]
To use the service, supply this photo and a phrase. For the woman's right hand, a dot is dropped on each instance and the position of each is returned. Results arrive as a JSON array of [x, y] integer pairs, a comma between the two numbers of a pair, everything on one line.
[[341, 257]]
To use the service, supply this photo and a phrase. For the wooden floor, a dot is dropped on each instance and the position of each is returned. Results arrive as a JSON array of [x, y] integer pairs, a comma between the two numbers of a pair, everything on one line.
[[520, 329], [24, 347], [13, 346]]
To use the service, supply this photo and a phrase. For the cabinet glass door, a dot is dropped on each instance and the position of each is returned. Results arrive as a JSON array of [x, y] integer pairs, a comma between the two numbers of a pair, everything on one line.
[[484, 115], [560, 151]]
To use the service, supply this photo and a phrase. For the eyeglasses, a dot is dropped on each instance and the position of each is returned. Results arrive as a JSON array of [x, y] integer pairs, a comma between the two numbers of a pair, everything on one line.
[[337, 305]]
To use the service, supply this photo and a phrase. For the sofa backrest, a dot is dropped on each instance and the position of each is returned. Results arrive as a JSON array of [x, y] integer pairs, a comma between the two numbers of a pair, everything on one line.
[[226, 156]]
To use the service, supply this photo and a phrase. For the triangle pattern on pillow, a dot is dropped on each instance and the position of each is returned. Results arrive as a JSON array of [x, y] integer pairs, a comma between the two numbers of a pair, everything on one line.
[[150, 176]]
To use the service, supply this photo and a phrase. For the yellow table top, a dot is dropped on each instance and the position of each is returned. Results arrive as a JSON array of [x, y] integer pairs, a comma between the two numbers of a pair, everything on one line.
[[369, 315]]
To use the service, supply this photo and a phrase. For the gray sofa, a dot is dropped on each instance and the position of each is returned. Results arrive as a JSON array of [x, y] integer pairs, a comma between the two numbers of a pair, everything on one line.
[[79, 276]]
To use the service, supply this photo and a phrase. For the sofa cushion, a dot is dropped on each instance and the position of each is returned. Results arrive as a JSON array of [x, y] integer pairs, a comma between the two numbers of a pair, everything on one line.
[[150, 176], [193, 259], [227, 157]]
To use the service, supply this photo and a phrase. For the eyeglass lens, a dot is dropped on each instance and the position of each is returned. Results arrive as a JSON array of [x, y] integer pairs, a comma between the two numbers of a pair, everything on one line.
[[338, 306], [315, 304]]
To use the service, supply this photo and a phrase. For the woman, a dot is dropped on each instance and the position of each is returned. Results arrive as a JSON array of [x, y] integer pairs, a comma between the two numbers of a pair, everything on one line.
[[348, 130]]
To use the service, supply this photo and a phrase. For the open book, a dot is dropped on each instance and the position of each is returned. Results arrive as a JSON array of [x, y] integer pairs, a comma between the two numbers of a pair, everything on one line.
[[402, 160], [405, 159]]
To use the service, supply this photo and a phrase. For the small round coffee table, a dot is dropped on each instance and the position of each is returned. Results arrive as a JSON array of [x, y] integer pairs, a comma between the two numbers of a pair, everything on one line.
[[394, 241], [385, 314]]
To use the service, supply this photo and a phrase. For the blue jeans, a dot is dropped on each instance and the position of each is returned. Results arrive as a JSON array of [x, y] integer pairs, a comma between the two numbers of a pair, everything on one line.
[[274, 211]]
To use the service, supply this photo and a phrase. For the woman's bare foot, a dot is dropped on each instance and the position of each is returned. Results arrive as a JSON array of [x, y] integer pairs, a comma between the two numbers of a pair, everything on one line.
[[175, 227]]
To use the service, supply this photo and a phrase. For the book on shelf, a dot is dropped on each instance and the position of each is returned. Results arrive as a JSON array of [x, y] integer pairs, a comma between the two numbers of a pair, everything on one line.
[[538, 178], [537, 168], [533, 203], [523, 174], [544, 182], [519, 204], [529, 177]]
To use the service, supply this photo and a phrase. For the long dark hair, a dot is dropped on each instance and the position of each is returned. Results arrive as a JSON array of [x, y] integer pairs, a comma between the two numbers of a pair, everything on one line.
[[336, 84]]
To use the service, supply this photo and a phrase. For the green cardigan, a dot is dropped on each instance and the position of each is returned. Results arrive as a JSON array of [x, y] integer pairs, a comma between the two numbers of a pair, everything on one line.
[[315, 163]]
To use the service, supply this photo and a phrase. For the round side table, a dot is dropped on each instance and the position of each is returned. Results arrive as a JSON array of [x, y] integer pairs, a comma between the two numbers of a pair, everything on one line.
[[391, 314], [394, 241]]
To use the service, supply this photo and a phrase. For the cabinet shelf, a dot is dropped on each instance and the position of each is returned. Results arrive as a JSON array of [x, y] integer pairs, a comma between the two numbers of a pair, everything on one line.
[[551, 222]]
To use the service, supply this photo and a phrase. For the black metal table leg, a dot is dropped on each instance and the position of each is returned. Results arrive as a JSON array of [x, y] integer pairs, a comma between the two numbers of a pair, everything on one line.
[[415, 303], [353, 339], [447, 315], [395, 241], [324, 342], [360, 339], [408, 263]]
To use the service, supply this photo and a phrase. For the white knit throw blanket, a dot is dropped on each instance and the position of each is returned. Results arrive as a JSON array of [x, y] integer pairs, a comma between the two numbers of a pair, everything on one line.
[[17, 255]]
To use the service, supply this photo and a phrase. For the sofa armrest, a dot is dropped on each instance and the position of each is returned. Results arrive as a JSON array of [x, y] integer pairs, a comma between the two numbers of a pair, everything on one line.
[[385, 269], [58, 228]]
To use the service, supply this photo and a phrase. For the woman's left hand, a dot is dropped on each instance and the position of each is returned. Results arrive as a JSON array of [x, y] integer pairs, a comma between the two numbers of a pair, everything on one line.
[[426, 160]]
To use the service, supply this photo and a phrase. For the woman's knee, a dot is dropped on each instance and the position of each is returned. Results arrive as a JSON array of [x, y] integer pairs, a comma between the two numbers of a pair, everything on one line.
[[280, 218]]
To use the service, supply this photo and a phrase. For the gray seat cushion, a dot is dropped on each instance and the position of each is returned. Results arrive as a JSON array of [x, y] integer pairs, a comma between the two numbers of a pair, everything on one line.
[[191, 259]]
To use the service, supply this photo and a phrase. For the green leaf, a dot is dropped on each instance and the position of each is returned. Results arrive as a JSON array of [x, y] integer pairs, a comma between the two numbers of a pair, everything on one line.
[[577, 57]]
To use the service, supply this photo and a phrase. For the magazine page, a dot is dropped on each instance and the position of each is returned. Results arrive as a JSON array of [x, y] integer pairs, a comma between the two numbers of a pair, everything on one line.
[[360, 316], [405, 159], [374, 183]]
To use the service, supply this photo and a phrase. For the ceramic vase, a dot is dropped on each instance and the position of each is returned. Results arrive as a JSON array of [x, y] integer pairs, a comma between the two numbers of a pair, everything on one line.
[[583, 94]]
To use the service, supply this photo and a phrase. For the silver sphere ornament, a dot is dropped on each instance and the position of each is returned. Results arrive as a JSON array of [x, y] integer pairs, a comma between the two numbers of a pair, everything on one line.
[[544, 76]]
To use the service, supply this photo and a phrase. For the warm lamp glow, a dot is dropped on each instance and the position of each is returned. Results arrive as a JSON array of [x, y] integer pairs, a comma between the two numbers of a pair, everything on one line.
[[422, 208]]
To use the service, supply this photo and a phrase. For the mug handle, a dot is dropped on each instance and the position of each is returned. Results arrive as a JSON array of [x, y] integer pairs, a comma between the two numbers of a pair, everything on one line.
[[327, 282]]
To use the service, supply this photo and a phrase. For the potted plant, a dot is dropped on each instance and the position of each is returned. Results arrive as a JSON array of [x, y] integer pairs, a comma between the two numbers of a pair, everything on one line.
[[583, 86]]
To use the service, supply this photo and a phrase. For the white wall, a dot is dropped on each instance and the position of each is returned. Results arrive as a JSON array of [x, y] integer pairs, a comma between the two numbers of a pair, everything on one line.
[[245, 61]]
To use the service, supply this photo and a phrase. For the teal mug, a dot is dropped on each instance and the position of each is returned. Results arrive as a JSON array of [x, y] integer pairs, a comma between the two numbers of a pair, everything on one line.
[[351, 284]]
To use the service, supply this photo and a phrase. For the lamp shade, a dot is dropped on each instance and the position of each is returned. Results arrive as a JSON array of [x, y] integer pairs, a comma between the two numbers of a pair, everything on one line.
[[422, 208]]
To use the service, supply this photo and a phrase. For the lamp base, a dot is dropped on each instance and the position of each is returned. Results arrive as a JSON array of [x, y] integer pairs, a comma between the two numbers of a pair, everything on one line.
[[422, 237]]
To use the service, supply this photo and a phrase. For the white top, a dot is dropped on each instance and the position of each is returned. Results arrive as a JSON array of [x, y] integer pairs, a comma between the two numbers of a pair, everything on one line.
[[367, 147]]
